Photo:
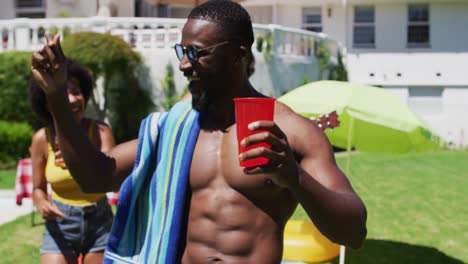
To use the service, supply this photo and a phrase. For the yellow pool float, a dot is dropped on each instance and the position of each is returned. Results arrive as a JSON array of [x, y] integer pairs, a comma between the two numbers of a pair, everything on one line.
[[304, 242]]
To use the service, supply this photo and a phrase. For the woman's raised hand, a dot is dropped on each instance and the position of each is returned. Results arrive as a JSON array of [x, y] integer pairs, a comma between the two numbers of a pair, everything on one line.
[[49, 66]]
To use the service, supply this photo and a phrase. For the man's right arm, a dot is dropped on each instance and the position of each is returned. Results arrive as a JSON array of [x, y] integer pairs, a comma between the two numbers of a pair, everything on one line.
[[93, 170]]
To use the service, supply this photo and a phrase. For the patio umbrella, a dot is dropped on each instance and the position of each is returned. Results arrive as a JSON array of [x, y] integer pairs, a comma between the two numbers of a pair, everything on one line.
[[371, 118]]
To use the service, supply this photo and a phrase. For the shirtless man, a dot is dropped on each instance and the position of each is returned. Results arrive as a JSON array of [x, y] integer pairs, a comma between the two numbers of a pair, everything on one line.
[[236, 215]]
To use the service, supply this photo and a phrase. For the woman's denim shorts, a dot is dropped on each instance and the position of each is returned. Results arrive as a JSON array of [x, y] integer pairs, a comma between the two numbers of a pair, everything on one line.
[[84, 229]]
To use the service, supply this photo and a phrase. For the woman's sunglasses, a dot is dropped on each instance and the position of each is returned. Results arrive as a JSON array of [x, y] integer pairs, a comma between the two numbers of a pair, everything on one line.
[[193, 53]]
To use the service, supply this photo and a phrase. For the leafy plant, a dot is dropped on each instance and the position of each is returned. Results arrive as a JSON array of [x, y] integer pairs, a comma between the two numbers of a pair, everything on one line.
[[338, 72], [169, 88], [322, 53], [305, 80], [268, 46], [265, 44], [63, 14], [15, 72], [15, 139], [185, 90], [259, 43]]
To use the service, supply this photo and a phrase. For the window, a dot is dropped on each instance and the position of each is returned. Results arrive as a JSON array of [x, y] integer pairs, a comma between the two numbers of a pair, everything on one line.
[[364, 27], [30, 8], [312, 19], [426, 100], [146, 9], [29, 3], [418, 26]]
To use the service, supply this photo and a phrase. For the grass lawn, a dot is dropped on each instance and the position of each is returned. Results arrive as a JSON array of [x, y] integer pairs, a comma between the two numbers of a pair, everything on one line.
[[23, 242], [417, 211], [7, 179], [417, 207]]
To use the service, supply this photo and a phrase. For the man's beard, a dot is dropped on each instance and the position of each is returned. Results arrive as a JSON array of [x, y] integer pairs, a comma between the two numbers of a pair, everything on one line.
[[200, 101], [203, 99]]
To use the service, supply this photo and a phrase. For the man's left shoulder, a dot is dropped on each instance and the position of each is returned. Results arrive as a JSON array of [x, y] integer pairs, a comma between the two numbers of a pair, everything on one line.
[[286, 117], [299, 130]]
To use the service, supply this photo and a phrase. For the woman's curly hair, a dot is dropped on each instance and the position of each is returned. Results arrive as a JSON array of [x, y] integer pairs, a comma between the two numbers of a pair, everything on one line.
[[38, 100]]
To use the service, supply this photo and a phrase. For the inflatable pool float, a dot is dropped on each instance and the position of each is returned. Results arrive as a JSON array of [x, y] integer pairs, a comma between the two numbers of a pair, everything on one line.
[[303, 242]]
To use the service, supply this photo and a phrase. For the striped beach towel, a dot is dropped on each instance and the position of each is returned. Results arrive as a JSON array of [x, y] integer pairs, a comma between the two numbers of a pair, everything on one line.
[[150, 224]]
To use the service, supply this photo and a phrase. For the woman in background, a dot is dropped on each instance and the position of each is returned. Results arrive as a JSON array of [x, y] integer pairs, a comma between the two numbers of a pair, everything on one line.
[[77, 223]]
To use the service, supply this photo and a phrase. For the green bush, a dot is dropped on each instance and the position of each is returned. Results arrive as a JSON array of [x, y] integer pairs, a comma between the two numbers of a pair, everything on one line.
[[259, 42], [169, 88], [322, 53], [123, 72], [15, 71], [338, 72], [268, 46], [15, 139]]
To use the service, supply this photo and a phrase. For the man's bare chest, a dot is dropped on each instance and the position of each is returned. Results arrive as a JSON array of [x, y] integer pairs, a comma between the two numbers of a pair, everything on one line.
[[215, 163]]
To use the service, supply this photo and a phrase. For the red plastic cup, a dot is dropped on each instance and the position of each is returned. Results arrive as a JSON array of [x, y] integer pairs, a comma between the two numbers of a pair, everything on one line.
[[248, 110]]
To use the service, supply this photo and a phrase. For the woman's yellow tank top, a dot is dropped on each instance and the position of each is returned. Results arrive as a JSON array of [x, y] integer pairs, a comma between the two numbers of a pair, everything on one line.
[[64, 187]]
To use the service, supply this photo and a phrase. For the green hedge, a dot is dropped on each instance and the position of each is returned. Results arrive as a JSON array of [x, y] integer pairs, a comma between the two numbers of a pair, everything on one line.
[[15, 71], [15, 139]]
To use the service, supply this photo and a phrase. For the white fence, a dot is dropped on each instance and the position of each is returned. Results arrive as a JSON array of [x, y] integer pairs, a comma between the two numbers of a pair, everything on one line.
[[141, 33], [148, 33]]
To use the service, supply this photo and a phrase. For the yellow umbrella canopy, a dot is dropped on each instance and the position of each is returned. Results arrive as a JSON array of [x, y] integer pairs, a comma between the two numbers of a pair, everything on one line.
[[371, 118]]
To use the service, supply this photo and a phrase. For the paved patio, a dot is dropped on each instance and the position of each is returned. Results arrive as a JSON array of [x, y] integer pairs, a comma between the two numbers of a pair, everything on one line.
[[9, 211]]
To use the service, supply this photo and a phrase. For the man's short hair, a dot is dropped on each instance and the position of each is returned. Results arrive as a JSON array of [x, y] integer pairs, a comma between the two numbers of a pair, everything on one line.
[[233, 19]]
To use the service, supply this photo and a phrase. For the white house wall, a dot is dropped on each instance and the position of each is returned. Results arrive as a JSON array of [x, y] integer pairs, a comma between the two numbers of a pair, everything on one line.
[[86, 8], [75, 8], [289, 15], [7, 9], [126, 8], [453, 122], [334, 24]]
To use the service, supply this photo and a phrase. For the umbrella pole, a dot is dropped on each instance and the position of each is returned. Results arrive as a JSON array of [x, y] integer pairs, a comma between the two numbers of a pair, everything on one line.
[[348, 147]]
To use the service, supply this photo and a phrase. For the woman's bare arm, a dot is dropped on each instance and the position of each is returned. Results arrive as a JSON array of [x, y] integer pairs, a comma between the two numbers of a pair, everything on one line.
[[39, 155]]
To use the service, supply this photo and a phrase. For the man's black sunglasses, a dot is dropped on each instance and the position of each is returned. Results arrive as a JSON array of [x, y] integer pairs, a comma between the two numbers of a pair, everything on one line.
[[192, 52]]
